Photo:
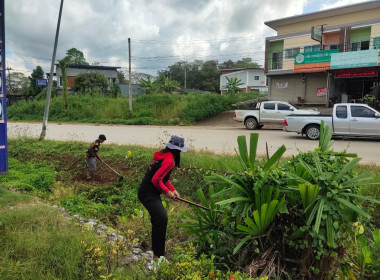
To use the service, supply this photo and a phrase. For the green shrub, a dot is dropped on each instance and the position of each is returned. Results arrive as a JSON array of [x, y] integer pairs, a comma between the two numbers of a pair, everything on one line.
[[303, 209], [185, 265], [147, 109], [29, 177]]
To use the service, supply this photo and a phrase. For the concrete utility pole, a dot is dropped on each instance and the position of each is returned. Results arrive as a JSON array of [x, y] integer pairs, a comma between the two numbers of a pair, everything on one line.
[[48, 94], [185, 75], [9, 79], [130, 75]]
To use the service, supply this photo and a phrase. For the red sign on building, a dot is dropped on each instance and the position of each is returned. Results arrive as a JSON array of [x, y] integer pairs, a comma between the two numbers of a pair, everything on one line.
[[356, 74]]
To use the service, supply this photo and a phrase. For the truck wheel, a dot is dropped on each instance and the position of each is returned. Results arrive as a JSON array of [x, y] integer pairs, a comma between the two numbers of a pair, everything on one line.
[[251, 123], [312, 132]]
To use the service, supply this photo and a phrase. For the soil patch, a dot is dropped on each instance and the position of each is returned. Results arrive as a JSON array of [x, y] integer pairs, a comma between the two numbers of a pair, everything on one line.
[[78, 169]]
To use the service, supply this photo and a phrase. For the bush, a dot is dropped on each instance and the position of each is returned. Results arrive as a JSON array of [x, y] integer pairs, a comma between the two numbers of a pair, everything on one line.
[[30, 177], [185, 265], [147, 109], [301, 209]]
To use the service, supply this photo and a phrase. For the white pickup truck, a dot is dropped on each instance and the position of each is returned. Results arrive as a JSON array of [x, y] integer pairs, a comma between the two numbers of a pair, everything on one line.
[[268, 112], [348, 120]]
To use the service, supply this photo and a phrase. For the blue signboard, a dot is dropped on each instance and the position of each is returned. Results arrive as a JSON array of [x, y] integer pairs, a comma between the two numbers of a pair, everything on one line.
[[356, 59], [41, 82], [3, 98]]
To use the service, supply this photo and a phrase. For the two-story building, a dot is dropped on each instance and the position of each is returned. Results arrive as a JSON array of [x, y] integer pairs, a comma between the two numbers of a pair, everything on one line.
[[110, 72], [327, 55], [250, 79]]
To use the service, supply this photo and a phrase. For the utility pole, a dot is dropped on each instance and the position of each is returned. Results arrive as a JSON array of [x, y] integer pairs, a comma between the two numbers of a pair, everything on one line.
[[9, 79], [130, 75], [48, 94], [185, 75]]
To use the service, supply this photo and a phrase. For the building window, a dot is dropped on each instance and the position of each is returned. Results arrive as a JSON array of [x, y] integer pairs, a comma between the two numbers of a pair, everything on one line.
[[277, 60], [110, 81], [313, 48], [257, 78], [291, 53], [359, 46], [60, 81], [376, 43], [334, 46]]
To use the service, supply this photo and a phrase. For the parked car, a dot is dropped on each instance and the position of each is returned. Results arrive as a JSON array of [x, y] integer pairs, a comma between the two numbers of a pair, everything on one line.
[[348, 119], [268, 112]]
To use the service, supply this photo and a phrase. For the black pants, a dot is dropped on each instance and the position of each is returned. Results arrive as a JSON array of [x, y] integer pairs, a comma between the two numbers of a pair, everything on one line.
[[159, 220]]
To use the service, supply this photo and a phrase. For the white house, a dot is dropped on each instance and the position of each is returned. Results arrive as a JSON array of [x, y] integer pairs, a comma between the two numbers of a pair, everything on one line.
[[251, 79]]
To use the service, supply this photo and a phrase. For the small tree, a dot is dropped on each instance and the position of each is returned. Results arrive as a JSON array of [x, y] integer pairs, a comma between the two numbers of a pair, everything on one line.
[[17, 83], [75, 57], [33, 89], [166, 84], [147, 85], [232, 85], [62, 64], [91, 83], [115, 90], [170, 84], [121, 77]]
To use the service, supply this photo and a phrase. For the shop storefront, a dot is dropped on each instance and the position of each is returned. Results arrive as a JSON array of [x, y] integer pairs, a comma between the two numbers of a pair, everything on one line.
[[354, 76]]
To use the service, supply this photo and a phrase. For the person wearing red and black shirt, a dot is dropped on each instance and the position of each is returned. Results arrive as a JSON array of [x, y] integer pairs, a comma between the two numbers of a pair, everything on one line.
[[156, 182], [93, 153]]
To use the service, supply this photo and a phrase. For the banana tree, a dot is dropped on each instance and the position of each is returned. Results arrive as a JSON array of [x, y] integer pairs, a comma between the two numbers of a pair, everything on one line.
[[147, 85], [233, 84]]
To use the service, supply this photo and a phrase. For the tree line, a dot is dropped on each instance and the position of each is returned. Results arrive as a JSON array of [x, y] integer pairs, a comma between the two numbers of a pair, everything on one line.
[[196, 75]]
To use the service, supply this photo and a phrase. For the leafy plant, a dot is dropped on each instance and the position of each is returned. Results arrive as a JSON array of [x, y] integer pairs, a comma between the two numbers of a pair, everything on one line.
[[244, 190], [186, 265], [232, 85], [262, 217], [212, 229], [254, 191], [329, 190]]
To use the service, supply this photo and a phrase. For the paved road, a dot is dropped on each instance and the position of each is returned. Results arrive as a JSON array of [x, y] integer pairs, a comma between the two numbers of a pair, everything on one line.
[[217, 139]]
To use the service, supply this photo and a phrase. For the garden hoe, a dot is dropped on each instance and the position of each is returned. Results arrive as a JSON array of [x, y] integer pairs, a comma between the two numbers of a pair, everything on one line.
[[121, 176], [195, 204]]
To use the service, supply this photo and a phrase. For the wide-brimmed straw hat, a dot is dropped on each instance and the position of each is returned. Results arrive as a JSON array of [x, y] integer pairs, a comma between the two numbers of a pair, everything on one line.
[[177, 143]]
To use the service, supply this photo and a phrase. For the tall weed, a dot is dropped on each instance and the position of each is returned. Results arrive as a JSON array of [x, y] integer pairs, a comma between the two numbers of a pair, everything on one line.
[[147, 109]]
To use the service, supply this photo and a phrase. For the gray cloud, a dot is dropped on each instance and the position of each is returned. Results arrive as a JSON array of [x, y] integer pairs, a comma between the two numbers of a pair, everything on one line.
[[162, 32]]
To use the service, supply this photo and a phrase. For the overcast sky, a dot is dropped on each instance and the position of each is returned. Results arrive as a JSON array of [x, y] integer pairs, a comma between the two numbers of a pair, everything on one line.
[[162, 32]]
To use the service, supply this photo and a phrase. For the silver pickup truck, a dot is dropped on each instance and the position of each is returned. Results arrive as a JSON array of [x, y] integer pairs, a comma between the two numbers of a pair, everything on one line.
[[348, 119], [268, 112]]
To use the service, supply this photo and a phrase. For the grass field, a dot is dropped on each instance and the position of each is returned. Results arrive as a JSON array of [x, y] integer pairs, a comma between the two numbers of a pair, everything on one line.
[[37, 242]]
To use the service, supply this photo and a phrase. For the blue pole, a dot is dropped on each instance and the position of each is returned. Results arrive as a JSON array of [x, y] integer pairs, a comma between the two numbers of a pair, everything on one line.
[[3, 98]]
